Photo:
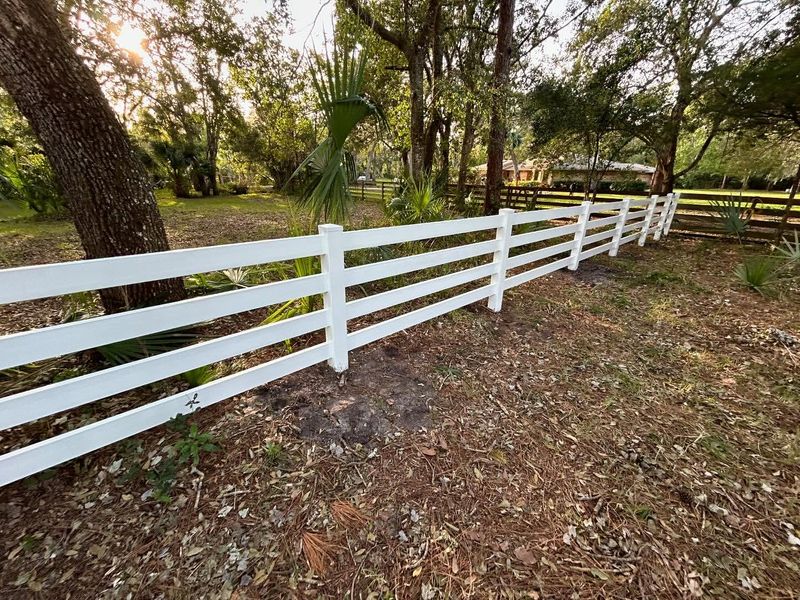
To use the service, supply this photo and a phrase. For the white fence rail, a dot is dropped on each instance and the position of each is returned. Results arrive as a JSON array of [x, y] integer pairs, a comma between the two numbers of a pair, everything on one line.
[[591, 232]]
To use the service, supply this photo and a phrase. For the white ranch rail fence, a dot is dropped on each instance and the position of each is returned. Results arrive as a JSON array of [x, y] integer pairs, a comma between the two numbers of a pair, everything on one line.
[[589, 233]]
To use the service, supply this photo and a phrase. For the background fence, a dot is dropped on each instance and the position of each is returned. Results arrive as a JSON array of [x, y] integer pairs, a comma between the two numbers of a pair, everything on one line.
[[695, 214], [516, 255]]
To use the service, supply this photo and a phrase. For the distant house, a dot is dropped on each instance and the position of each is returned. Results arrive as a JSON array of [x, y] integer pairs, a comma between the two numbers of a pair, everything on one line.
[[549, 172]]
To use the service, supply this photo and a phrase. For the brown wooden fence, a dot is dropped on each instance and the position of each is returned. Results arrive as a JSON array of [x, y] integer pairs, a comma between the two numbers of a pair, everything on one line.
[[695, 213]]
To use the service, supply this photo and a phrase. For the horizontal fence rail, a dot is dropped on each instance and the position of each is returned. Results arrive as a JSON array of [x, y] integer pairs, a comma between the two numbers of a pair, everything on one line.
[[514, 256]]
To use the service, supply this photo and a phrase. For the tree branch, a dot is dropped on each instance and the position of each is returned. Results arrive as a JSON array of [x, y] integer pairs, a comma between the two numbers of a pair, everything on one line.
[[711, 135], [379, 28]]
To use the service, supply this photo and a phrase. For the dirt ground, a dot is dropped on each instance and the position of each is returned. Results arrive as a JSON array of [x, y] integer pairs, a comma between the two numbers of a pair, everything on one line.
[[628, 431]]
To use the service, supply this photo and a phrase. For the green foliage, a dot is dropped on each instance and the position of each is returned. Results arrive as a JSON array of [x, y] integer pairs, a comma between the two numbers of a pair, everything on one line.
[[162, 478], [733, 214], [77, 306], [199, 375], [187, 450], [759, 273], [300, 267], [790, 250], [420, 201], [126, 351], [192, 444], [27, 180], [183, 161], [330, 167], [221, 281], [274, 454]]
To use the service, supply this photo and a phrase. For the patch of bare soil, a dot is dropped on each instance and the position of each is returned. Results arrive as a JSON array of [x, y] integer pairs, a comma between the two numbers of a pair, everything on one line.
[[378, 396], [635, 439]]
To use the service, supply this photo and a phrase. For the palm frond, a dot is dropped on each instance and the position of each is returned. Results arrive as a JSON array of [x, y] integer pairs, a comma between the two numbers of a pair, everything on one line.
[[337, 82]]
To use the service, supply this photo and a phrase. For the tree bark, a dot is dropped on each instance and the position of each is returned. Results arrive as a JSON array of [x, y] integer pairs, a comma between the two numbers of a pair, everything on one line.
[[467, 143], [105, 184], [497, 122], [416, 76]]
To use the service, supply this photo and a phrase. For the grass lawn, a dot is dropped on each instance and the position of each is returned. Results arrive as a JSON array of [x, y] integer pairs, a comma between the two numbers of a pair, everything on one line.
[[189, 222], [760, 193], [628, 430]]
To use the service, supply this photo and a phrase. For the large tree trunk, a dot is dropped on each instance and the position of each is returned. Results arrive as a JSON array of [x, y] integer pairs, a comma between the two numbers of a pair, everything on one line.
[[105, 184], [429, 153], [467, 143], [497, 123], [664, 179], [416, 75]]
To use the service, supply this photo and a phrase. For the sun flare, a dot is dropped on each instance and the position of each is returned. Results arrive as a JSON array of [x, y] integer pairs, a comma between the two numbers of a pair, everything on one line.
[[131, 38]]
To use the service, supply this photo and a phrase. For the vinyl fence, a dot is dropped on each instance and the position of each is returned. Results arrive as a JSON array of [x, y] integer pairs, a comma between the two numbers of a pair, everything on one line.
[[573, 233]]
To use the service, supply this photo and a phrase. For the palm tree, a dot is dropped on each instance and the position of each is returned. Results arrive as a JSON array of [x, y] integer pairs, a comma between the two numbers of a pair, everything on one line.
[[331, 168], [178, 157]]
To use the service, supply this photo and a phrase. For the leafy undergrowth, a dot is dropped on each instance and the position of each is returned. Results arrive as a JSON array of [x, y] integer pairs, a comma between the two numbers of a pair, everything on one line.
[[631, 430]]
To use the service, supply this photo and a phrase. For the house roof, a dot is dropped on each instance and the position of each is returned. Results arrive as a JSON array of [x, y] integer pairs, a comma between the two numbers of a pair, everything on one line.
[[581, 165], [508, 165]]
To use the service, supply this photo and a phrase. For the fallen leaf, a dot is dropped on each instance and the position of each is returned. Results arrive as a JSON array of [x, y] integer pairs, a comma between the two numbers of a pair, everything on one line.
[[525, 556], [426, 451]]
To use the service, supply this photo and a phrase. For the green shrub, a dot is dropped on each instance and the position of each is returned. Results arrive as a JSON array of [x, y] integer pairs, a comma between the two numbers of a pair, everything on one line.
[[27, 180], [199, 376], [420, 201], [733, 214], [759, 273]]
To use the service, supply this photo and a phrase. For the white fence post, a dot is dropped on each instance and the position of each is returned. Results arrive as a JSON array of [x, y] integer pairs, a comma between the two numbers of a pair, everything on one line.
[[648, 218], [675, 199], [623, 217], [503, 238], [334, 296], [583, 220], [662, 220]]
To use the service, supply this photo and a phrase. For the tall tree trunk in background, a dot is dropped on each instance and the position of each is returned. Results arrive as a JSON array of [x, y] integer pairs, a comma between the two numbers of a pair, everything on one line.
[[467, 143], [497, 122], [416, 76], [429, 153], [414, 45], [665, 169], [105, 184], [212, 149], [444, 148]]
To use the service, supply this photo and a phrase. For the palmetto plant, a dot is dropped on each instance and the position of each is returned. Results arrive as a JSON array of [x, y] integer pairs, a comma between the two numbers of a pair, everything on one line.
[[759, 273], [330, 167], [418, 202], [733, 214], [790, 250]]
